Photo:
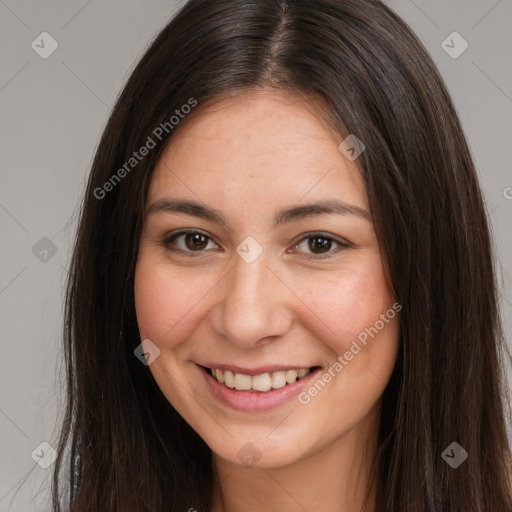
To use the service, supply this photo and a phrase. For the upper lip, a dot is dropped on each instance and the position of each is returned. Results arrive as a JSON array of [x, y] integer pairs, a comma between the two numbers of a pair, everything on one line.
[[255, 371]]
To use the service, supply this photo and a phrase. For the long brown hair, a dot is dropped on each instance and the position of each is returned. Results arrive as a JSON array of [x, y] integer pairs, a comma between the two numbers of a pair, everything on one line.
[[122, 446]]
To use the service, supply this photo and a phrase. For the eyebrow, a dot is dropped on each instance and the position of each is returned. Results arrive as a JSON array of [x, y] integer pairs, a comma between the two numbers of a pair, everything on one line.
[[283, 216]]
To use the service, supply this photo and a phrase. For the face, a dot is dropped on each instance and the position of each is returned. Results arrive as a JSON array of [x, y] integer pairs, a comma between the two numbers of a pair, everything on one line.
[[237, 272]]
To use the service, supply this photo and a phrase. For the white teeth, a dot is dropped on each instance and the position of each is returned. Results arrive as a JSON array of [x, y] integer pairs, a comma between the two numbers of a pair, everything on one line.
[[302, 373], [262, 383], [220, 376], [278, 380], [291, 376], [242, 382], [229, 378]]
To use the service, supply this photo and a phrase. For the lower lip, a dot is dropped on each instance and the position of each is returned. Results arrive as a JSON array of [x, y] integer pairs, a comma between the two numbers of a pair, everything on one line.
[[250, 401]]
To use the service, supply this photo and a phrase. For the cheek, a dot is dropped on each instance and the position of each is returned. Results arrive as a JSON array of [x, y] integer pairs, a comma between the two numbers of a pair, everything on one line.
[[355, 317], [341, 308], [164, 301]]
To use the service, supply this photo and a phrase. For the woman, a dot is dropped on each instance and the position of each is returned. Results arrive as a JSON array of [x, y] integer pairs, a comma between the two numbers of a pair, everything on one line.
[[282, 293]]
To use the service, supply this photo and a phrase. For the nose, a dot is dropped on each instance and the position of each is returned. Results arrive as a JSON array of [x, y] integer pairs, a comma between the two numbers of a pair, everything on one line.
[[253, 304]]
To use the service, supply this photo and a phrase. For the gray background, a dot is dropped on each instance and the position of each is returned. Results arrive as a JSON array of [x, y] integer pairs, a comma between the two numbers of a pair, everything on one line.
[[52, 113]]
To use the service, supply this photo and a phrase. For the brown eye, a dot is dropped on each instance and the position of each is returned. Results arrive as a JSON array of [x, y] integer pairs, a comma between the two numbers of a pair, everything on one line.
[[195, 241], [320, 246], [187, 242]]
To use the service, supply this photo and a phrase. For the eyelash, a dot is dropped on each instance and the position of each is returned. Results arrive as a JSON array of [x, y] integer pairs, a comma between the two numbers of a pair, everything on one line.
[[169, 240]]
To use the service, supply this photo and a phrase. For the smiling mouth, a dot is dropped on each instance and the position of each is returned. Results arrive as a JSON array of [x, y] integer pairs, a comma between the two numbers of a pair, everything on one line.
[[261, 383]]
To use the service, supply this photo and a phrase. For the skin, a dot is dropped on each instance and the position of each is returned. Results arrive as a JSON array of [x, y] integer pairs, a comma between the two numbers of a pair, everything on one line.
[[248, 156]]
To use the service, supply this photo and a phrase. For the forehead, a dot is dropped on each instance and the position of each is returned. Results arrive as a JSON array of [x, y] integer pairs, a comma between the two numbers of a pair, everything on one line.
[[260, 146]]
